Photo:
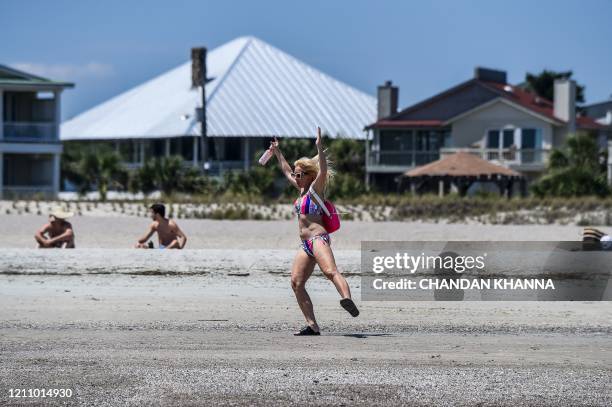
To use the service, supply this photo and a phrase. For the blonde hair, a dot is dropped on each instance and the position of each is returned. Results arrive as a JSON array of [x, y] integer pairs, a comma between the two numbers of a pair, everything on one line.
[[311, 166]]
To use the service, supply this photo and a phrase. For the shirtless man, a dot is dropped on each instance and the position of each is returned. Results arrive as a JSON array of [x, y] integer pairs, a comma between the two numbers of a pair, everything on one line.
[[57, 233], [170, 236]]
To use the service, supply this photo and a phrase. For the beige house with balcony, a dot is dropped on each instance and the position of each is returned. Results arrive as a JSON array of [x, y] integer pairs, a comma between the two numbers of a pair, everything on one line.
[[30, 147], [485, 116]]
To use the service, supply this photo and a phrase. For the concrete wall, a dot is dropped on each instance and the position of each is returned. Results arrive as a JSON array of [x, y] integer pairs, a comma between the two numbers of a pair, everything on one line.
[[473, 127]]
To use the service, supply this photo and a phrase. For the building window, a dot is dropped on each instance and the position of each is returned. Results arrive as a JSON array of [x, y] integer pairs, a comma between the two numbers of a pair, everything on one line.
[[396, 140], [128, 150], [522, 144], [233, 149], [531, 145], [28, 170], [409, 147], [501, 138], [182, 146], [428, 145]]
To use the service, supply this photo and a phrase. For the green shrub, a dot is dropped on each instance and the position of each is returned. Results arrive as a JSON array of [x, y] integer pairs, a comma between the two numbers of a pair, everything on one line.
[[575, 170], [93, 166]]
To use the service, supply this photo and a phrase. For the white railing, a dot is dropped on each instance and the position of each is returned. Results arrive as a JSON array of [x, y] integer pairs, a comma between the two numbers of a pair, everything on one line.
[[504, 156], [399, 158], [30, 131]]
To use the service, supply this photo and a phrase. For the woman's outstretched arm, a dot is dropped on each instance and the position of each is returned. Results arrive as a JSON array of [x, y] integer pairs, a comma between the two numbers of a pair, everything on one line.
[[285, 167], [319, 182]]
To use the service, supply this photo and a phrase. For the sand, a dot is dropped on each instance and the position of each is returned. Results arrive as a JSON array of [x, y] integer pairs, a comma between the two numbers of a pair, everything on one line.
[[212, 325], [122, 232]]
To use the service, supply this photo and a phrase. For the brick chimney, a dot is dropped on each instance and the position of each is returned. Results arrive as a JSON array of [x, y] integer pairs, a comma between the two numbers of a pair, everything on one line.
[[490, 75], [198, 80], [387, 100], [564, 102]]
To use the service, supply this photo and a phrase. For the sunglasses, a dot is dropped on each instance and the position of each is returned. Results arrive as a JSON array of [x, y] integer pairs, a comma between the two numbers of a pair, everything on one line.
[[298, 175]]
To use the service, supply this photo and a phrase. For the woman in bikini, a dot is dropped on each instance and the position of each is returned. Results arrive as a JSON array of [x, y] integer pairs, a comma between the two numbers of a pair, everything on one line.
[[310, 176]]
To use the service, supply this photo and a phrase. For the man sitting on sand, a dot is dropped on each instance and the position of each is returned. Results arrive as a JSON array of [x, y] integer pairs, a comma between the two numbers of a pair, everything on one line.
[[57, 233], [169, 235]]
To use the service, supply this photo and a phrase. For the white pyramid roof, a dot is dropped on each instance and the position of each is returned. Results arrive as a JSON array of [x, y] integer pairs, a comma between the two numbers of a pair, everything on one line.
[[256, 90]]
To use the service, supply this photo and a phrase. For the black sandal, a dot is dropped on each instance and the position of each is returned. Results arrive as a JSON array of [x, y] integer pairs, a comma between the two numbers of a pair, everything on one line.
[[307, 331], [350, 306]]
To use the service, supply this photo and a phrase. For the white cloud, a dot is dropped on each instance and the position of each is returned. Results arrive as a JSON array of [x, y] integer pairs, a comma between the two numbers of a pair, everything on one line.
[[66, 72]]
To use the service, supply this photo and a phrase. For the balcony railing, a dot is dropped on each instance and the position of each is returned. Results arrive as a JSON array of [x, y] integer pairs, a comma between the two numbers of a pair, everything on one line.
[[216, 167], [400, 158], [29, 131], [505, 156]]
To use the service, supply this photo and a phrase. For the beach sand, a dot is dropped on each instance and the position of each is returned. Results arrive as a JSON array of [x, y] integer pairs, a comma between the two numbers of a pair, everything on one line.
[[212, 325]]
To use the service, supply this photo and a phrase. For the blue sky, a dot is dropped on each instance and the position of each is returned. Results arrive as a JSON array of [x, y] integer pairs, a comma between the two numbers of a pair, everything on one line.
[[425, 47]]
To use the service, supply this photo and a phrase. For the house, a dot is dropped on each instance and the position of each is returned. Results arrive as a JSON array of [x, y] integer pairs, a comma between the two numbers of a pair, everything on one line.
[[602, 113], [253, 92], [30, 146], [485, 115]]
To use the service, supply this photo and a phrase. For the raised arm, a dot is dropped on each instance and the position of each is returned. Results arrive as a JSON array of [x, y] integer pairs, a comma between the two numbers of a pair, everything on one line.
[[284, 165], [319, 182]]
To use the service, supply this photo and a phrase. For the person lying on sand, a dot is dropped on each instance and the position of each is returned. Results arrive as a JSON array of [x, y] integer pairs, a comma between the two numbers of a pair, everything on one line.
[[57, 233], [595, 238], [169, 235]]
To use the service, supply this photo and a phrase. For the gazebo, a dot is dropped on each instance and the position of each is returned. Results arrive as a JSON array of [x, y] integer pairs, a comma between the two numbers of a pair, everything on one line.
[[462, 170]]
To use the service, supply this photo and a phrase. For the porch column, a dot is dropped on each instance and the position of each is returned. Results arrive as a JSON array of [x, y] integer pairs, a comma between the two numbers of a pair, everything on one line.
[[58, 114], [1, 174], [609, 162], [167, 149], [441, 188], [376, 145], [247, 153], [1, 117], [195, 151], [56, 174], [135, 151], [523, 186], [367, 159], [141, 152]]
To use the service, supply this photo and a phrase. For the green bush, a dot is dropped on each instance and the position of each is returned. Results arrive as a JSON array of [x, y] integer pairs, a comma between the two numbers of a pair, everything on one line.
[[93, 166], [575, 170], [169, 175]]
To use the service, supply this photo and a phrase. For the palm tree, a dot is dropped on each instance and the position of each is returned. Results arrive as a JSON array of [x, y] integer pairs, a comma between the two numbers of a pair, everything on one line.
[[168, 175], [575, 170], [94, 168]]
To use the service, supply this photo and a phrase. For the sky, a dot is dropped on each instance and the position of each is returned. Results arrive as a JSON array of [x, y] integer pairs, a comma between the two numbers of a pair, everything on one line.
[[424, 47]]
